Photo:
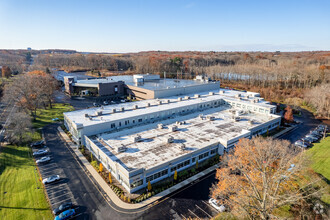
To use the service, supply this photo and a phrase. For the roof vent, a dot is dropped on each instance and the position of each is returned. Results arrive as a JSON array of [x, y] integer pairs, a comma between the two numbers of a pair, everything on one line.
[[122, 109], [136, 106], [252, 100], [251, 121], [160, 126], [179, 99], [173, 128], [211, 118], [182, 146], [201, 117], [122, 148], [159, 102], [167, 101], [197, 95], [99, 113], [137, 138], [113, 110], [178, 122], [238, 95], [186, 97], [86, 115], [148, 104], [222, 91], [236, 118], [169, 139], [211, 93]]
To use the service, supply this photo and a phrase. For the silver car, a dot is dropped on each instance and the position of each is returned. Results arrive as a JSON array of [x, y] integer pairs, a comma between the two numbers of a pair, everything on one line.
[[43, 160], [51, 179], [40, 152]]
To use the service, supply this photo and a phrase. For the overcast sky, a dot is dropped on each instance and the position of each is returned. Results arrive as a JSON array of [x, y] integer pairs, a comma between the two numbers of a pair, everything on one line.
[[131, 26]]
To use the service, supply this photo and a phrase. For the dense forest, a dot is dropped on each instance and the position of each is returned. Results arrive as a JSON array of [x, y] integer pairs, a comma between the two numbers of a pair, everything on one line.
[[289, 77]]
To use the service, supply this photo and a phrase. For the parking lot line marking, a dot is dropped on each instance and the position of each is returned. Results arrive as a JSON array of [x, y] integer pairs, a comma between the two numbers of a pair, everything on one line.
[[58, 196], [203, 211], [55, 186], [61, 190], [194, 214], [61, 201]]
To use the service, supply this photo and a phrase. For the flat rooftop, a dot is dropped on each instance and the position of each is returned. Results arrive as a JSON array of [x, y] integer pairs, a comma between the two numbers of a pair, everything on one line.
[[158, 84], [107, 115], [195, 133]]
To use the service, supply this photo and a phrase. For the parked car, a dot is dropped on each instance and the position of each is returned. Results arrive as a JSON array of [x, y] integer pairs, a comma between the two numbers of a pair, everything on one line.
[[40, 152], [43, 160], [51, 179], [312, 137], [38, 144], [214, 204], [307, 140], [300, 144], [66, 214], [105, 103], [309, 144], [62, 207]]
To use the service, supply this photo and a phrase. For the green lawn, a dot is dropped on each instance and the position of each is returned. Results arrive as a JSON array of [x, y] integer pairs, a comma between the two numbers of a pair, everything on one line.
[[45, 116], [21, 192], [320, 157]]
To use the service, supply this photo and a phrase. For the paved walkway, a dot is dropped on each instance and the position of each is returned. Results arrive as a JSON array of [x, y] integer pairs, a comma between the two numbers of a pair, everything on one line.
[[114, 198]]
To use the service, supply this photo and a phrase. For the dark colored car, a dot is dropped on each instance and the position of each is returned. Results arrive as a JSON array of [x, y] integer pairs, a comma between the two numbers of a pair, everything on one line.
[[38, 144], [63, 207]]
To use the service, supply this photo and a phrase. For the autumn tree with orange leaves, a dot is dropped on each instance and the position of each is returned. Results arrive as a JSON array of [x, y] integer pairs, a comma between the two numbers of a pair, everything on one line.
[[261, 175], [31, 91]]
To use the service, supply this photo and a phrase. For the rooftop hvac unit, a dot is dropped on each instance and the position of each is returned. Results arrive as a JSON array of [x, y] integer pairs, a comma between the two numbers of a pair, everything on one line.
[[186, 97], [247, 96], [137, 138], [99, 113], [179, 99], [160, 126], [211, 93], [148, 104], [159, 102], [238, 95], [113, 110], [201, 117], [252, 100], [86, 115], [178, 122], [236, 118], [211, 118], [222, 91], [122, 109], [251, 122], [122, 148], [182, 146], [167, 101], [173, 128], [197, 95], [169, 139], [136, 106]]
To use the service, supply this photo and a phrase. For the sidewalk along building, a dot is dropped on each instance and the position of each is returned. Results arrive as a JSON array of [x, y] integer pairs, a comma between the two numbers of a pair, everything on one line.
[[140, 86], [148, 140]]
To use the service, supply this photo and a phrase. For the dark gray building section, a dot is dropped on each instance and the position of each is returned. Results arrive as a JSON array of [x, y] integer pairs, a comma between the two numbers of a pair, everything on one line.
[[94, 87]]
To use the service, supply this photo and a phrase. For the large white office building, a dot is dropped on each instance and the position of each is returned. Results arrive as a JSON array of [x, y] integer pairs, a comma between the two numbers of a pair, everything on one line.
[[148, 140]]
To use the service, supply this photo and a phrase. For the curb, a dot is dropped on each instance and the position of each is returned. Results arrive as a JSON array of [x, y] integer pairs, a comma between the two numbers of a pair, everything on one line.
[[113, 197]]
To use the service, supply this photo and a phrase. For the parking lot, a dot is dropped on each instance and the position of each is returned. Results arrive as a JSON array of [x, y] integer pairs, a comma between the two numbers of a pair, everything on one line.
[[58, 192]]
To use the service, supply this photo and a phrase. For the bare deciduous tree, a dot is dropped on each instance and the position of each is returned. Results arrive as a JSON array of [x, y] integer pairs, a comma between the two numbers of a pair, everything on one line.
[[261, 175], [18, 126]]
